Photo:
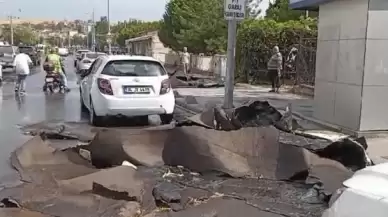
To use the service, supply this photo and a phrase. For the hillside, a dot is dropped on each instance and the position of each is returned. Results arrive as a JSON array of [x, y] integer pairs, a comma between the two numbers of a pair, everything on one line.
[[32, 21]]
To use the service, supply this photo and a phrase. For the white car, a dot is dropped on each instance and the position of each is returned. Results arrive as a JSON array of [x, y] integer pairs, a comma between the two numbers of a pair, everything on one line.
[[364, 194], [78, 55], [127, 86], [86, 60], [63, 51]]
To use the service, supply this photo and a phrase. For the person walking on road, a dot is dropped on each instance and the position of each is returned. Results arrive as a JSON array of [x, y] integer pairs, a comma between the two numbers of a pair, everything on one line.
[[22, 63], [185, 59], [275, 66]]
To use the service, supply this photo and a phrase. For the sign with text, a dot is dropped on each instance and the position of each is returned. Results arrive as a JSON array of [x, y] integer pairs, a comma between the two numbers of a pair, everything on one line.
[[234, 9]]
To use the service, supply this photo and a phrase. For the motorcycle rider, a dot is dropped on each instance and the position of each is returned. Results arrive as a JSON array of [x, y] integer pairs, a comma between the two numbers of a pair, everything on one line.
[[56, 60]]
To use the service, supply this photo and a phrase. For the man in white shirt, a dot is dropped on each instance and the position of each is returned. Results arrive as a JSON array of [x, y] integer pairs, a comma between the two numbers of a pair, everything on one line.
[[21, 64], [185, 60]]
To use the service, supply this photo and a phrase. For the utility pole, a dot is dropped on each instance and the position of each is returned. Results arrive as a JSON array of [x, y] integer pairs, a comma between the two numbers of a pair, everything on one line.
[[11, 27], [69, 39], [94, 32], [109, 36], [87, 34], [234, 11]]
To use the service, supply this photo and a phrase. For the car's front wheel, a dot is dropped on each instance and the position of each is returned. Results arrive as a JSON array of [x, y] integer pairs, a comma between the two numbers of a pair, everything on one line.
[[166, 118], [94, 119]]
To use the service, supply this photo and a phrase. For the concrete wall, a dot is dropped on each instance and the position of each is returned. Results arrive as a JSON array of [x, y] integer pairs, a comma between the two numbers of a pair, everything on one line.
[[152, 46], [198, 63], [352, 64]]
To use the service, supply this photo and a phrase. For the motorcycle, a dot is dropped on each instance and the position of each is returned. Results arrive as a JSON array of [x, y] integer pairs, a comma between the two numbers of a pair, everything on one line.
[[53, 81]]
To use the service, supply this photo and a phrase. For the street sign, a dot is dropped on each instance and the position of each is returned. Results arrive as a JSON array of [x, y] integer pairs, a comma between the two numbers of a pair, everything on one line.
[[234, 9]]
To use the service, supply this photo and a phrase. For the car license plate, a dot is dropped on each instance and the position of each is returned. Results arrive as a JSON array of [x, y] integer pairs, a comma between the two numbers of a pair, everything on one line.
[[49, 79], [132, 90]]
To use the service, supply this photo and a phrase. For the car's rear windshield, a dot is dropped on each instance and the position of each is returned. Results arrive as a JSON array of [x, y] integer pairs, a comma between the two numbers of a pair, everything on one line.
[[26, 49], [82, 51], [6, 49], [139, 68], [93, 55]]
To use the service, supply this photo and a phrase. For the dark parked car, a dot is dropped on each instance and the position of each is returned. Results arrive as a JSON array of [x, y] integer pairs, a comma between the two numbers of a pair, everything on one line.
[[32, 52], [7, 56]]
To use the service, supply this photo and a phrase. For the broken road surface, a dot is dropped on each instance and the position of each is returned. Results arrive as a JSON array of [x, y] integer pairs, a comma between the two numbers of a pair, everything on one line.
[[211, 167]]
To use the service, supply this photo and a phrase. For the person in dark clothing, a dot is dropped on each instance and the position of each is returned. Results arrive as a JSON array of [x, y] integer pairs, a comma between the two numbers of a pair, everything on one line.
[[275, 65]]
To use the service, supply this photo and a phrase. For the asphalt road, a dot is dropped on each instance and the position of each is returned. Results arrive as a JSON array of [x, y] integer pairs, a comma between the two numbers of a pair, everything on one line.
[[34, 107]]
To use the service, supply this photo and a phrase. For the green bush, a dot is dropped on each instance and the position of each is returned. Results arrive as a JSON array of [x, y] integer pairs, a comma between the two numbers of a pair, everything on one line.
[[256, 38]]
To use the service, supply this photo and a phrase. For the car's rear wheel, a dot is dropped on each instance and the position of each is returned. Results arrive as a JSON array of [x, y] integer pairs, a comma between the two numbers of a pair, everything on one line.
[[94, 119], [166, 118]]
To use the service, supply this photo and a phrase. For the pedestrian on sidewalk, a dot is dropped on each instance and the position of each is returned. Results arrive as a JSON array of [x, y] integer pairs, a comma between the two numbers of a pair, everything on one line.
[[275, 66], [22, 63], [185, 59]]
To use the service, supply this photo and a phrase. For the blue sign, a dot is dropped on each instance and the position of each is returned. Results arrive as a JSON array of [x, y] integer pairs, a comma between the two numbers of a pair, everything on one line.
[[305, 4]]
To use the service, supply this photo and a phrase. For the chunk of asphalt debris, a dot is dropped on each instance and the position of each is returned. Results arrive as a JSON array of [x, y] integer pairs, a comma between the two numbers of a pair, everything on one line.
[[17, 212], [168, 194], [121, 183], [251, 114], [107, 150], [314, 195], [246, 152], [350, 152]]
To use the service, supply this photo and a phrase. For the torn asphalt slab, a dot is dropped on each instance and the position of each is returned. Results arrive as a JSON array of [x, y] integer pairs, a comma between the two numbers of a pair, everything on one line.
[[18, 212], [259, 152], [37, 162], [99, 190]]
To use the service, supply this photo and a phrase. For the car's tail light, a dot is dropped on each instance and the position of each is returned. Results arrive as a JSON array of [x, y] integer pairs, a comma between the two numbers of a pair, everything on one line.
[[104, 86], [165, 87], [87, 61]]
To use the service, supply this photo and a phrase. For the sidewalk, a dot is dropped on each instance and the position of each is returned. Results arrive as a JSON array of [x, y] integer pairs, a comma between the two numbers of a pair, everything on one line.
[[302, 108]]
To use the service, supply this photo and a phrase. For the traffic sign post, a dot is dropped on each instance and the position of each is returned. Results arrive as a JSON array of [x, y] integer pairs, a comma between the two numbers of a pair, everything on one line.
[[234, 11]]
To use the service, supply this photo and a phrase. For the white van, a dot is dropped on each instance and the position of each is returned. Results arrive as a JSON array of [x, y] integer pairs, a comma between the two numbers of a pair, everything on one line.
[[63, 51]]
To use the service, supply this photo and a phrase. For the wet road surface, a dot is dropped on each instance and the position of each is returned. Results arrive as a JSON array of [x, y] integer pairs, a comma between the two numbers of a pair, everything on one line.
[[34, 107]]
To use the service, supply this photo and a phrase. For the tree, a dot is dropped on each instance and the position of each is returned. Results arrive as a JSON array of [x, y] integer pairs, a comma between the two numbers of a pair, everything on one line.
[[198, 25], [134, 28], [279, 11], [21, 34]]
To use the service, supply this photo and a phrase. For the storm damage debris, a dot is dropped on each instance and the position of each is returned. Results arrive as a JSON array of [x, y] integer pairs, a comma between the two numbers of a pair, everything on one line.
[[16, 212], [61, 131], [281, 171], [192, 80], [252, 114], [119, 183], [37, 162]]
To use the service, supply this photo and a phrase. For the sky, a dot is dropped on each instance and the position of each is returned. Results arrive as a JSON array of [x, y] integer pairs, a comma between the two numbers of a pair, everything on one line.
[[147, 10]]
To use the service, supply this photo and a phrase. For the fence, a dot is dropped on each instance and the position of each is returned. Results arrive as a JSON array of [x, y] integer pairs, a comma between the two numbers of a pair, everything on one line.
[[252, 65], [305, 62]]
